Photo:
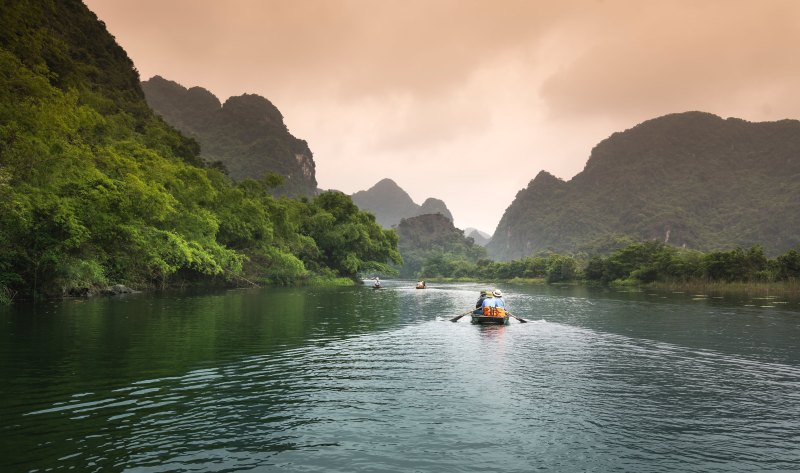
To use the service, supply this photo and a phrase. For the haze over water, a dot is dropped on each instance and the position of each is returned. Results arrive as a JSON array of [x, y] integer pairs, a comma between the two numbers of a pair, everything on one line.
[[352, 379]]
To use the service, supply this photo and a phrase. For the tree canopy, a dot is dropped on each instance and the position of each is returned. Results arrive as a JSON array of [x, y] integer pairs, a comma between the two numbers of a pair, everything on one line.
[[96, 189]]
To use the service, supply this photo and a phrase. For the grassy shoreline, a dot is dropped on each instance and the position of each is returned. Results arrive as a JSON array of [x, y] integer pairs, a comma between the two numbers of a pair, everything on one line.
[[8, 297], [789, 288]]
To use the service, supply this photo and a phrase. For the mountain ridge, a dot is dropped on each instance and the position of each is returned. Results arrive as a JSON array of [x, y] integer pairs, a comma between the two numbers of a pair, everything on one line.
[[390, 203], [480, 238], [690, 179], [246, 133]]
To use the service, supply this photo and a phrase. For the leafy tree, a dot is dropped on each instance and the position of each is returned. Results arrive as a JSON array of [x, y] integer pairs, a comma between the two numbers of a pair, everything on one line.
[[349, 240], [561, 268], [789, 265], [95, 189], [735, 265]]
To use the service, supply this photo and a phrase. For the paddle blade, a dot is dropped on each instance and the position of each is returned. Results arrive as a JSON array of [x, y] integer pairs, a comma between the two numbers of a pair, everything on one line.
[[455, 319]]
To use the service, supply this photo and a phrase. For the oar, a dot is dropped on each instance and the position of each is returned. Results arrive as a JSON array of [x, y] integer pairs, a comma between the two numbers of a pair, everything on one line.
[[521, 320], [455, 319]]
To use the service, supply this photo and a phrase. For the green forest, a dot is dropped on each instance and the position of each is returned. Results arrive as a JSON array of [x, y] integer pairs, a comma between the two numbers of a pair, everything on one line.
[[635, 262], [432, 248], [96, 189]]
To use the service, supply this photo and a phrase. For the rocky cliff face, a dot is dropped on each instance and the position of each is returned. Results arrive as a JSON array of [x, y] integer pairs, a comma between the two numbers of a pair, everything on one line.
[[690, 179], [246, 133], [390, 203]]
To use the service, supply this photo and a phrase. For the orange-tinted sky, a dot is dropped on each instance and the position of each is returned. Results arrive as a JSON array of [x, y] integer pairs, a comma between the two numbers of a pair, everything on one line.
[[467, 100]]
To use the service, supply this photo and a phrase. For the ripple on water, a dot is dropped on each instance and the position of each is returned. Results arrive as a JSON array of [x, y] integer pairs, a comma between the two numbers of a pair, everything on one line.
[[438, 396]]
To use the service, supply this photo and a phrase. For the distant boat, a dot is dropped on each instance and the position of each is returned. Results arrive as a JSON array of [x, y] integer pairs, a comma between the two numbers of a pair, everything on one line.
[[421, 285]]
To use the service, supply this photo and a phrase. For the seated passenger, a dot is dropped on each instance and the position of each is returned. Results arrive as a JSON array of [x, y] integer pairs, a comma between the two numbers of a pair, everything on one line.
[[488, 304], [499, 303], [479, 304], [498, 297]]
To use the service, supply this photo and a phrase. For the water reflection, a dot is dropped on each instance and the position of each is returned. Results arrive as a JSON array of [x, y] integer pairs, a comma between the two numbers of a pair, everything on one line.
[[353, 379]]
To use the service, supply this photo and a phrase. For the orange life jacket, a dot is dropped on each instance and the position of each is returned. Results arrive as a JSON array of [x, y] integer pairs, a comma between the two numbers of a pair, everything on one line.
[[494, 311]]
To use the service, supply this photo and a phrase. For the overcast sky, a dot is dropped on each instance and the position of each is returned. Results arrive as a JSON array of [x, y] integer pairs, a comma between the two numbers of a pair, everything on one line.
[[467, 101]]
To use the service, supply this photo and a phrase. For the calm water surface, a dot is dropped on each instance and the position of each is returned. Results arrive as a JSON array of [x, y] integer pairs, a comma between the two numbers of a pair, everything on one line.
[[354, 379]]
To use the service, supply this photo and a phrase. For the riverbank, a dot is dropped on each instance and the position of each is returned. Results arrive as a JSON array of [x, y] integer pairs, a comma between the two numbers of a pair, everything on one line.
[[8, 296], [790, 288]]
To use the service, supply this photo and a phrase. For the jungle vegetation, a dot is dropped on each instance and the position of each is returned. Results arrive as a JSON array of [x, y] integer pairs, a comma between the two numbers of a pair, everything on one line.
[[433, 247], [637, 262], [96, 189]]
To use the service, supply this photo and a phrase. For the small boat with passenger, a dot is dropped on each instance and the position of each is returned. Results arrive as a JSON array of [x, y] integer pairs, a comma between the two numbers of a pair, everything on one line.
[[490, 310], [500, 317]]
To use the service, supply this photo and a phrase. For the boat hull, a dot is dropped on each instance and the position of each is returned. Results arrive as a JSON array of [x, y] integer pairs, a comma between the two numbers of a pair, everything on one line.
[[480, 319]]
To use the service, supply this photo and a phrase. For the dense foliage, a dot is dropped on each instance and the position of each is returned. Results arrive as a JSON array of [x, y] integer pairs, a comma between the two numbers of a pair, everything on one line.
[[432, 247], [550, 267], [95, 189], [645, 262], [689, 179], [246, 134], [652, 261]]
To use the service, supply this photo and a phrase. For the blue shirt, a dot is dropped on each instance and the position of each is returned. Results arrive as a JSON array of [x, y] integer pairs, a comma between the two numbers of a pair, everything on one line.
[[489, 302]]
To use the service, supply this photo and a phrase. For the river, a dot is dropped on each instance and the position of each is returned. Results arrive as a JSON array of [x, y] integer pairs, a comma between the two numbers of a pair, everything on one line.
[[355, 379]]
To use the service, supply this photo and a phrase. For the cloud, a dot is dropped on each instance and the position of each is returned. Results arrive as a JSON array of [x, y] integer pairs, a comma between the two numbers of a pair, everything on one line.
[[355, 47], [677, 56], [437, 94]]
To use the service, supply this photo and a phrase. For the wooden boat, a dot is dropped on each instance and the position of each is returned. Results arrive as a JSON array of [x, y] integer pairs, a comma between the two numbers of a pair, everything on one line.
[[479, 318], [420, 286], [376, 286]]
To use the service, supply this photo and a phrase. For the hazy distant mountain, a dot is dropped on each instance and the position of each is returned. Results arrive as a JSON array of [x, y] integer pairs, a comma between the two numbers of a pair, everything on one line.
[[433, 240], [434, 206], [390, 203], [689, 179], [246, 133], [481, 238]]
